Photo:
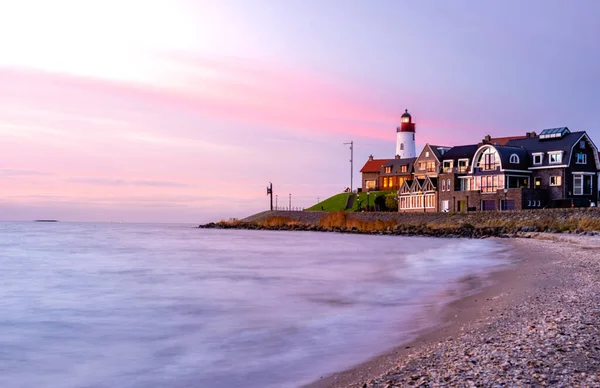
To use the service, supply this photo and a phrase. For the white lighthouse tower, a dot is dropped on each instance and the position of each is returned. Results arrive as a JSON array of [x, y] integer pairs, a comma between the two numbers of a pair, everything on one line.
[[405, 137]]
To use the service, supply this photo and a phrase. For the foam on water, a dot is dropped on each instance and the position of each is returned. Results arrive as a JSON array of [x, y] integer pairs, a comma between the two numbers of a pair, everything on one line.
[[105, 305]]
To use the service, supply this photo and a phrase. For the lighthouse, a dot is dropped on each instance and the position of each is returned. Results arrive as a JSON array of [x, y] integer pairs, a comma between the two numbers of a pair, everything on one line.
[[405, 137]]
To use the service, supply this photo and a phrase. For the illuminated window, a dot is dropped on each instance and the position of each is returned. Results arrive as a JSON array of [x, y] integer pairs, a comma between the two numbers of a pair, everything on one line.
[[489, 159], [385, 182], [427, 154], [404, 168], [537, 182], [555, 181], [422, 165], [447, 165], [448, 184], [430, 166], [388, 170], [462, 165]]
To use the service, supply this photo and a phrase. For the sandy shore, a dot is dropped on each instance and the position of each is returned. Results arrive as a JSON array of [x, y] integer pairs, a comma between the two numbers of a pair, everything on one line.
[[538, 324]]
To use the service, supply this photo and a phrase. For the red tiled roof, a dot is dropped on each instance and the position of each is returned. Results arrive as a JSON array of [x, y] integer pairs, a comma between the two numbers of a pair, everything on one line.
[[374, 165], [501, 141]]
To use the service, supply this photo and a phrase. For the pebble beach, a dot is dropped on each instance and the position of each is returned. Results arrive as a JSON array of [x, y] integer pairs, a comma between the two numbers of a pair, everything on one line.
[[538, 324]]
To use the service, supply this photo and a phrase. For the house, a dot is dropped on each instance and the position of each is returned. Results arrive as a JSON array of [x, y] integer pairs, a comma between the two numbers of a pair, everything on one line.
[[371, 172], [555, 169], [395, 172], [421, 193]]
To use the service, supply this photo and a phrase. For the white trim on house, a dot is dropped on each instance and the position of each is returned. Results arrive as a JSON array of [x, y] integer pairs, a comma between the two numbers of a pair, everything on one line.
[[521, 171], [478, 153], [583, 173], [552, 166], [534, 154], [595, 149]]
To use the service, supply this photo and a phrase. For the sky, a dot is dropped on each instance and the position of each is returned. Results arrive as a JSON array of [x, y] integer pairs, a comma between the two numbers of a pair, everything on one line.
[[184, 110]]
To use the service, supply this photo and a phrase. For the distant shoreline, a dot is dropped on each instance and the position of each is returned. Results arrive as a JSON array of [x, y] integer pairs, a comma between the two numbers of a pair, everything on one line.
[[531, 326], [45, 220]]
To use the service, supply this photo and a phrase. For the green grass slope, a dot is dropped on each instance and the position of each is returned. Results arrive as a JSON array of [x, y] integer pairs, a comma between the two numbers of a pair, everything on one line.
[[338, 202]]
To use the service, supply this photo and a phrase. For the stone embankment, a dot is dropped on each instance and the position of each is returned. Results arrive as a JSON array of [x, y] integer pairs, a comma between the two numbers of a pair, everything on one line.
[[476, 224]]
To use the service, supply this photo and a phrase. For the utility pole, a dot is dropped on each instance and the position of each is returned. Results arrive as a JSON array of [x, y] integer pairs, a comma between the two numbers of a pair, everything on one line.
[[276, 200], [351, 164], [290, 207], [270, 192]]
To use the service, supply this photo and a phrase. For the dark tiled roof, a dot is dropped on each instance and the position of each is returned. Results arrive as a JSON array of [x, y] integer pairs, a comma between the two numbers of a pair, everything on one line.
[[374, 165], [396, 165], [436, 151], [461, 152], [506, 152], [535, 144], [501, 141]]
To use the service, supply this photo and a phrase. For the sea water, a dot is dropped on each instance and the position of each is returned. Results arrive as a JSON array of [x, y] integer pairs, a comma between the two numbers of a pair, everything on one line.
[[129, 305]]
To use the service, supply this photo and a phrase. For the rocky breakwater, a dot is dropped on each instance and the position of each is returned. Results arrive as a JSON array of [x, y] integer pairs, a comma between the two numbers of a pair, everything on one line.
[[472, 225]]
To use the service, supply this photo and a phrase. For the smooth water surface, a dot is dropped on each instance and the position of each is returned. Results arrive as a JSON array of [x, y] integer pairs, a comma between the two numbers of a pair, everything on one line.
[[126, 305]]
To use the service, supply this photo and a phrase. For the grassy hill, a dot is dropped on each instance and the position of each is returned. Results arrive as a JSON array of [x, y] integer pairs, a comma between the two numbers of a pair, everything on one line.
[[338, 201]]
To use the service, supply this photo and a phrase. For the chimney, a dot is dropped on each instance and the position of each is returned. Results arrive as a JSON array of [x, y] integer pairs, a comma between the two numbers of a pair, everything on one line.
[[530, 135], [487, 139], [370, 158], [397, 156]]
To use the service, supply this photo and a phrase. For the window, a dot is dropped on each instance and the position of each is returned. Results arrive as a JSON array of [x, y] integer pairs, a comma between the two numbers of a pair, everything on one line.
[[514, 159], [488, 160], [385, 182], [443, 185], [517, 182], [489, 183], [370, 185], [555, 181], [538, 158], [430, 166], [462, 165], [582, 184], [404, 168], [581, 159], [448, 184], [537, 183], [402, 147], [388, 169], [582, 144], [426, 154], [448, 165], [555, 157], [422, 165], [445, 206]]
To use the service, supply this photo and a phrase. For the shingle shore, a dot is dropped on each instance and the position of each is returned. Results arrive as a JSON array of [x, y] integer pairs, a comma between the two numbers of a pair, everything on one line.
[[550, 338]]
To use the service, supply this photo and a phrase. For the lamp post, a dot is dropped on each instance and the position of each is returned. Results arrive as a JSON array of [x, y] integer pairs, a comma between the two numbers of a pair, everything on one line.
[[276, 198], [368, 206], [290, 207], [351, 163], [505, 204]]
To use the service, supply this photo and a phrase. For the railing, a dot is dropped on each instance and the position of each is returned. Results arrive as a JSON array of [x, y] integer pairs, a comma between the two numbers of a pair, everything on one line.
[[288, 209]]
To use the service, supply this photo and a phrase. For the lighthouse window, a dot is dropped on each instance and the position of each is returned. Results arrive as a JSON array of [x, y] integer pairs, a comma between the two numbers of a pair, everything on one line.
[[402, 147]]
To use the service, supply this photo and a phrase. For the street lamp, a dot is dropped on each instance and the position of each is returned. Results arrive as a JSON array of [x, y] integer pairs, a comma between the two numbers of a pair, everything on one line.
[[276, 198], [505, 204], [368, 205], [290, 207]]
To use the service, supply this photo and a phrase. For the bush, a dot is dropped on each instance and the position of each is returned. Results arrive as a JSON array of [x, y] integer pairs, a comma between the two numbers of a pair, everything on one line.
[[391, 202]]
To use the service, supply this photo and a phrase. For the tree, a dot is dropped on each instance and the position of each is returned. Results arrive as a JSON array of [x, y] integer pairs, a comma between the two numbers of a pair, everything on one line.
[[391, 202]]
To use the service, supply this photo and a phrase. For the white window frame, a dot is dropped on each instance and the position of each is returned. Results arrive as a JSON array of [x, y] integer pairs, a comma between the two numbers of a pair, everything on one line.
[[582, 144], [584, 158], [556, 178], [514, 159], [575, 191], [443, 185], [450, 165], [536, 155], [466, 166], [426, 154], [555, 153]]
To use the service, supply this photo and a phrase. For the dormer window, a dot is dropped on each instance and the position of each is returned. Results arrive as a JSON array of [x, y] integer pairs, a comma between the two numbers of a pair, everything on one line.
[[582, 144], [538, 158], [555, 157], [388, 169], [514, 159], [448, 165]]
